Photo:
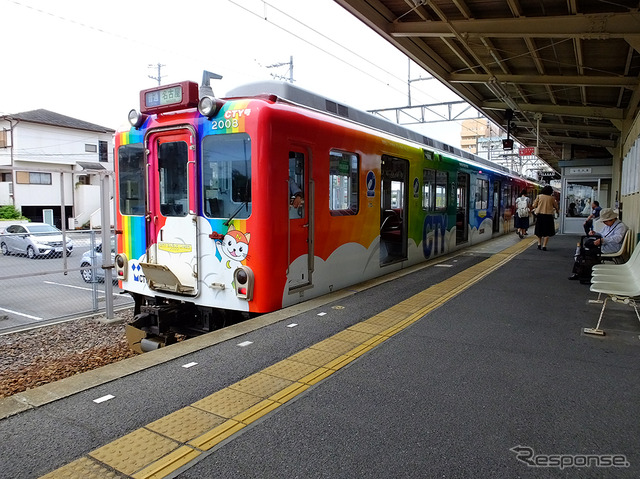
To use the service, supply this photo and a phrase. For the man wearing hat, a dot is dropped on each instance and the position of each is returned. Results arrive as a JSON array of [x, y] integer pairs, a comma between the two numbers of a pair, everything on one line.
[[612, 235], [609, 240]]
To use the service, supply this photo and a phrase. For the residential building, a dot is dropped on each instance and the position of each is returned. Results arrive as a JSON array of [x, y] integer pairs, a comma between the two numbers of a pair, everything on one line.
[[472, 130], [48, 159], [480, 137]]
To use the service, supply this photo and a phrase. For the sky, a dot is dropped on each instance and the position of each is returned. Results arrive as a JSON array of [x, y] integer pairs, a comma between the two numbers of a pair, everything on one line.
[[89, 60]]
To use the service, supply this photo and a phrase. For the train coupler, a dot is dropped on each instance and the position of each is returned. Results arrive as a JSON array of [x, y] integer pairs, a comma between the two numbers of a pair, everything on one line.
[[150, 329]]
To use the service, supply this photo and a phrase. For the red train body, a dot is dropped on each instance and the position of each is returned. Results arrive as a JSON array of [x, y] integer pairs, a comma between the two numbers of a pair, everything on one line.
[[209, 215]]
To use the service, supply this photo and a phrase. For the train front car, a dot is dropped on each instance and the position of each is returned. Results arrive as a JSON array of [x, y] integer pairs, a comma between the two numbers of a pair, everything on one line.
[[273, 196], [184, 186]]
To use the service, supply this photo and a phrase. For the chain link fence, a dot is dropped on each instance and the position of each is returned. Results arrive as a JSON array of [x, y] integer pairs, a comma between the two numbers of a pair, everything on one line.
[[55, 286]]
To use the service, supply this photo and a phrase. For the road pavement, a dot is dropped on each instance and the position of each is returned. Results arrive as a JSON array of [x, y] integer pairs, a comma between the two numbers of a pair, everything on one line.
[[38, 290]]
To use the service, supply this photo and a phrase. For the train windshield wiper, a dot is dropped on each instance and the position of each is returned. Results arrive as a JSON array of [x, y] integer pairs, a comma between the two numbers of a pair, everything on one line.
[[233, 215], [245, 203]]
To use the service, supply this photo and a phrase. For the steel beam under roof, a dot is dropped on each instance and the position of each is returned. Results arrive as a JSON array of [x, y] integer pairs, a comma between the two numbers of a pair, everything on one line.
[[575, 63]]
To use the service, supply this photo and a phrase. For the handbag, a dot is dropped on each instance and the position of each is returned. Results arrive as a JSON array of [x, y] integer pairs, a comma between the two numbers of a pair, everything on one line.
[[587, 256]]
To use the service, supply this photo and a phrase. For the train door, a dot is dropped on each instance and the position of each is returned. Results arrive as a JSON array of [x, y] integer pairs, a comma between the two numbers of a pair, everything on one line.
[[393, 211], [300, 246], [462, 209], [496, 206], [172, 229], [507, 204]]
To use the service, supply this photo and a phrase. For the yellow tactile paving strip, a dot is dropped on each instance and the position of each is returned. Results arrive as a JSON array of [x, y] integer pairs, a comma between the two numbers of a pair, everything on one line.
[[163, 446]]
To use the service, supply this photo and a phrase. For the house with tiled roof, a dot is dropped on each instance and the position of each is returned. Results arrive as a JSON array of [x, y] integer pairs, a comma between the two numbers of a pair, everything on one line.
[[47, 160]]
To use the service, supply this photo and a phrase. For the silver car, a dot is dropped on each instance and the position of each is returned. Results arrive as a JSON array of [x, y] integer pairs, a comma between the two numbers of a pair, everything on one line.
[[33, 240], [91, 264]]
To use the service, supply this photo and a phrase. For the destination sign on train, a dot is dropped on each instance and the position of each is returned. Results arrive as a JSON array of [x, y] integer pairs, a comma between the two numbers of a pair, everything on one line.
[[166, 96], [169, 97]]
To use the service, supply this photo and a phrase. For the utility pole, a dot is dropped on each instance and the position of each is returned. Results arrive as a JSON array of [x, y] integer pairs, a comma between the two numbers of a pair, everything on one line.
[[409, 81], [159, 77], [281, 77]]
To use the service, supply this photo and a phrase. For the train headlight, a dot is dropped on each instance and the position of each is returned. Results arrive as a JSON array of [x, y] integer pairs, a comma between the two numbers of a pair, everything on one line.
[[136, 118], [121, 262], [208, 106], [243, 282]]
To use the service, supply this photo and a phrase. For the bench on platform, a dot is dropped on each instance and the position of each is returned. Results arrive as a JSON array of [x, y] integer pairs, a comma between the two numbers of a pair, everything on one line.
[[622, 254], [618, 268], [619, 282]]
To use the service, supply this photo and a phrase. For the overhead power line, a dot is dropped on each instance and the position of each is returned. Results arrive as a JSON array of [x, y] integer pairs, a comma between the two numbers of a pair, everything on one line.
[[350, 64], [278, 65]]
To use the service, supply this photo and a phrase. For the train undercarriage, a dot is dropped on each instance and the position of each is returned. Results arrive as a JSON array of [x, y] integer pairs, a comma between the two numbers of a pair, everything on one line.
[[159, 322]]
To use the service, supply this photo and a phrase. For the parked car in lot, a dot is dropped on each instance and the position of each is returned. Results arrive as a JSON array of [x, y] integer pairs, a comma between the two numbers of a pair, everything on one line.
[[33, 240], [91, 263]]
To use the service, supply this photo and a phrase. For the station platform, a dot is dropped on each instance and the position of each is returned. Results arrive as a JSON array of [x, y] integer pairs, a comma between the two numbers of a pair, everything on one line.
[[472, 365]]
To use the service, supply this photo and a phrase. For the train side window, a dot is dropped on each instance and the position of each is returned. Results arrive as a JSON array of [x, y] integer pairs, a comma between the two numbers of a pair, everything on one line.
[[442, 179], [428, 189], [482, 194], [296, 185], [506, 196], [130, 179], [344, 173], [226, 175]]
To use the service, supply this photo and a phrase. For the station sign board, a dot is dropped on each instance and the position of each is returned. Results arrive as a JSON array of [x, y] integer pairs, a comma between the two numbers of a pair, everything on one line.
[[527, 151]]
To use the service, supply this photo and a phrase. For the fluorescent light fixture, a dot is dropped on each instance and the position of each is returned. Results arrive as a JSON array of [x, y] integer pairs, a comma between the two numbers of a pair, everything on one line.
[[496, 88], [511, 103], [501, 94]]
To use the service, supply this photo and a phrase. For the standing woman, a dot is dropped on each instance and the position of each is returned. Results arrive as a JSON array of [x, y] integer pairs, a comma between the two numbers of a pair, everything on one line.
[[545, 206], [522, 214]]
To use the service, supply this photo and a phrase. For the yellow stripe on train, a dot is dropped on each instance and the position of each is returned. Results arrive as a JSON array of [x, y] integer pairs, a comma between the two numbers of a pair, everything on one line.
[[175, 247]]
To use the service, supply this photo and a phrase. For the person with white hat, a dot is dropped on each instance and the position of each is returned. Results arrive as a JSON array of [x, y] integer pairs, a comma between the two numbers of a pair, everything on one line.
[[609, 240], [612, 235]]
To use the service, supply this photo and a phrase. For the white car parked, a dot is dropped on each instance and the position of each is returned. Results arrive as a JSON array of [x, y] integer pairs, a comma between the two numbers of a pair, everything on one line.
[[33, 240], [91, 263]]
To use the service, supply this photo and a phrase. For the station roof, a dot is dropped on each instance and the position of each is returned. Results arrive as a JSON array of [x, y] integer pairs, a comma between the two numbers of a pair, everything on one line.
[[572, 65]]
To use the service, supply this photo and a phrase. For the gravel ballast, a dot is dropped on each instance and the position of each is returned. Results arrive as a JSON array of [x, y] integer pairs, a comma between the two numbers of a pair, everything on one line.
[[32, 358]]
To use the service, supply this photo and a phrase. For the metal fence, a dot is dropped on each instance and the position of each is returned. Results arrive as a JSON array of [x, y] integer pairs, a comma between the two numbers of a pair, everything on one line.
[[58, 286]]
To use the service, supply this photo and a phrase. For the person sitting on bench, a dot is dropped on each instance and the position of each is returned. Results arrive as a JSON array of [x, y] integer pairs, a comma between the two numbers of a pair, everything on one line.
[[609, 240], [595, 214]]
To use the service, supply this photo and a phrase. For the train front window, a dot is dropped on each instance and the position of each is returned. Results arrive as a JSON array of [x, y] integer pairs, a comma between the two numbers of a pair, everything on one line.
[[172, 166], [131, 179], [226, 170]]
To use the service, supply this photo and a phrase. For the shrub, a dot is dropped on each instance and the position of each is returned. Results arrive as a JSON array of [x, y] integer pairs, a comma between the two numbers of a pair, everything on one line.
[[9, 212]]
